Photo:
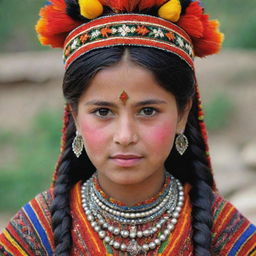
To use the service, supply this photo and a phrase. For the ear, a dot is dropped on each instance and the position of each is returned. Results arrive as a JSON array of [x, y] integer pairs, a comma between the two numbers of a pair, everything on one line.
[[183, 117], [74, 115]]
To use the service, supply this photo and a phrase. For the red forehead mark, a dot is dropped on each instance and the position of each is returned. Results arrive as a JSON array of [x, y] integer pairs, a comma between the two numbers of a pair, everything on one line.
[[124, 97]]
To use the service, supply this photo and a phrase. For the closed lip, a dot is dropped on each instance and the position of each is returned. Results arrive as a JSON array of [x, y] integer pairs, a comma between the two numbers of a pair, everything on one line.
[[126, 156]]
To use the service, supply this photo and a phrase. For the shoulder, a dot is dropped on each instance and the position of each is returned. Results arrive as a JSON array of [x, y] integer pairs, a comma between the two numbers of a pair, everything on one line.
[[233, 234], [29, 231]]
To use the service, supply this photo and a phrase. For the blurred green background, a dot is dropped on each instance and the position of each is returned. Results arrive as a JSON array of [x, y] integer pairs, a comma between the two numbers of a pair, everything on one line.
[[35, 152], [36, 149], [17, 21]]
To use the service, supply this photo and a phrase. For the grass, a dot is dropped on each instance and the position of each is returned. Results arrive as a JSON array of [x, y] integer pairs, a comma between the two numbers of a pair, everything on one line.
[[36, 154]]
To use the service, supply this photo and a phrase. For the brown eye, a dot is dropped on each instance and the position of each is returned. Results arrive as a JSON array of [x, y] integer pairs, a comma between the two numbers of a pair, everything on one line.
[[148, 111], [102, 112]]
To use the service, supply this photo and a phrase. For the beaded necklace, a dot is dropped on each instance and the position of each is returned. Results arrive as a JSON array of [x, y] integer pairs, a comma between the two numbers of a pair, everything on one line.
[[121, 204], [124, 228]]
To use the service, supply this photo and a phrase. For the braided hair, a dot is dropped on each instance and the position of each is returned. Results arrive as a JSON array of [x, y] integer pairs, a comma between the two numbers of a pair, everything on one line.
[[201, 194], [192, 167], [61, 219]]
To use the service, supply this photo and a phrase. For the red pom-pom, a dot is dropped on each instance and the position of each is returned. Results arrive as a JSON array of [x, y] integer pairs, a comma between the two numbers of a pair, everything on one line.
[[204, 33], [144, 4], [54, 24], [194, 8], [131, 5], [121, 5], [211, 41], [192, 25]]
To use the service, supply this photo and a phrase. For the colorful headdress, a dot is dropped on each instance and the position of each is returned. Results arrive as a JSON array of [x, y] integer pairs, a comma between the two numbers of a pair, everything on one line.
[[180, 27]]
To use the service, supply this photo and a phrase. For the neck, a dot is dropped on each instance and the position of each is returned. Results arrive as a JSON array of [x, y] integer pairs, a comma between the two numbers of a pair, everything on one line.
[[131, 194]]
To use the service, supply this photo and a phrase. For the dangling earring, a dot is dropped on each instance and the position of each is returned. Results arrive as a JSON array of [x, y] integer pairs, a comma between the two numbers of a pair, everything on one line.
[[181, 143], [77, 144]]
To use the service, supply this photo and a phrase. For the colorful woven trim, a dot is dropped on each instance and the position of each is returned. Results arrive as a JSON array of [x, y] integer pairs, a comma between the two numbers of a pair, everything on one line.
[[128, 29]]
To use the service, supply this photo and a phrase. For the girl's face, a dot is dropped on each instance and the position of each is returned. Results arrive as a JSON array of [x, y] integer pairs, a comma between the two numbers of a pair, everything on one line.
[[128, 141]]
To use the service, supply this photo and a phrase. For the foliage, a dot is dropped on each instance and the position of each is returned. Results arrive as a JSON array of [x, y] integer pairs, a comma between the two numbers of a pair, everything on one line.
[[36, 153], [218, 112], [17, 19], [237, 21]]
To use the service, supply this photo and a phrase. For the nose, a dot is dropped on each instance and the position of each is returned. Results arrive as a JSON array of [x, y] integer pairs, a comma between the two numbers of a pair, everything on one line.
[[126, 132]]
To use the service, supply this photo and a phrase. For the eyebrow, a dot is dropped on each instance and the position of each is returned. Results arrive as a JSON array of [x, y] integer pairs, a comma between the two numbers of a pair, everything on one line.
[[138, 104]]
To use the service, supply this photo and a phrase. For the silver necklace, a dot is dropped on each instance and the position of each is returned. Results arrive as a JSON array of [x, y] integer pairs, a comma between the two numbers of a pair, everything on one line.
[[137, 208], [132, 216], [169, 208]]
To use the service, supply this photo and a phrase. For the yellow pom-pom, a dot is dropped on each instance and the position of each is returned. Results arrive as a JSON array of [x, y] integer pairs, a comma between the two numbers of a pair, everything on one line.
[[170, 11], [90, 9]]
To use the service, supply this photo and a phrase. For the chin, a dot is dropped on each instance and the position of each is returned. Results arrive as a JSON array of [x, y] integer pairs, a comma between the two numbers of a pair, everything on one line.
[[127, 178]]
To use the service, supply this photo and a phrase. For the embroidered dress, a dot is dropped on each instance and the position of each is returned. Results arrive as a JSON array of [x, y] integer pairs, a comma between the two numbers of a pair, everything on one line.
[[30, 232]]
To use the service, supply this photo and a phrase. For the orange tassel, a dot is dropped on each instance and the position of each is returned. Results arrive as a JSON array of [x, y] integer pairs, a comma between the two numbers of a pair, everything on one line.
[[204, 33], [192, 25], [211, 42], [54, 24]]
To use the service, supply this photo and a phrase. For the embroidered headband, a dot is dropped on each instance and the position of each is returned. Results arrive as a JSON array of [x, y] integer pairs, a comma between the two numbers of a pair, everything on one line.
[[186, 34], [127, 29]]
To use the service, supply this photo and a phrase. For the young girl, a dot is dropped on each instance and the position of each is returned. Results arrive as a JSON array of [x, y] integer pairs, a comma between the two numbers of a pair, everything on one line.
[[134, 174]]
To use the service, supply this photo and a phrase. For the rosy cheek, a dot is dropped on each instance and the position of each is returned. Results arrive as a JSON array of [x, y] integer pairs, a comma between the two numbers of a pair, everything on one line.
[[161, 134], [93, 135]]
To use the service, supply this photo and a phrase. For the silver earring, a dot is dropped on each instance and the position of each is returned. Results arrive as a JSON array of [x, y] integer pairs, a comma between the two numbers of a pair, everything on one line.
[[77, 144], [181, 143]]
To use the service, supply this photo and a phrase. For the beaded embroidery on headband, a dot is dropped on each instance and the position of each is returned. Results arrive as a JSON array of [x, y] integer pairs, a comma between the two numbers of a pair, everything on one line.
[[127, 29], [181, 27]]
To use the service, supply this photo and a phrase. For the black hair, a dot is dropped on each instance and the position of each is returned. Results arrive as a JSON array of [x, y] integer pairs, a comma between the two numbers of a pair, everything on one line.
[[173, 74]]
